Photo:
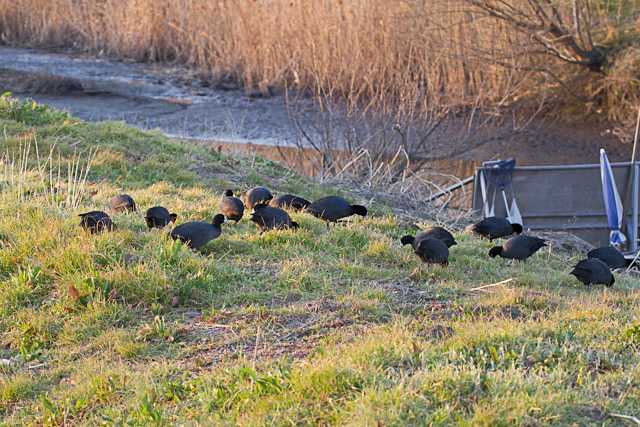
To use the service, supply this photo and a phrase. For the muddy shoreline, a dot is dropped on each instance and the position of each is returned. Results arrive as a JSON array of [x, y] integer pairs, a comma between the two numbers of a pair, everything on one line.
[[179, 104]]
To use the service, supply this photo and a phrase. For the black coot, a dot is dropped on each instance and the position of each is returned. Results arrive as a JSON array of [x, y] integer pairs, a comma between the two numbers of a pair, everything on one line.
[[333, 208], [494, 227], [610, 256], [257, 196], [123, 203], [231, 207], [159, 217], [198, 233], [518, 247], [289, 201], [438, 233], [269, 218], [593, 271], [96, 222], [430, 250]]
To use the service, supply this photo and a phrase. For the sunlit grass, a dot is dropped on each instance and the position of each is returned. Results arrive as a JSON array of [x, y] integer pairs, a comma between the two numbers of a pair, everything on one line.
[[308, 327]]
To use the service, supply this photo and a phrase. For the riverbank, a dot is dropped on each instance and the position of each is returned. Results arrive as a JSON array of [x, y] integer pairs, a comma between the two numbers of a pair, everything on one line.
[[176, 102]]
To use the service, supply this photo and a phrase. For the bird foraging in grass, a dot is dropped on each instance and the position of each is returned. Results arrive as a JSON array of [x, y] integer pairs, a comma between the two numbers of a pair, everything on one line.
[[333, 208], [196, 234], [289, 201], [96, 222], [270, 218], [123, 203], [593, 271], [429, 250], [231, 207], [159, 217], [436, 233], [494, 227], [610, 256], [519, 248], [257, 196]]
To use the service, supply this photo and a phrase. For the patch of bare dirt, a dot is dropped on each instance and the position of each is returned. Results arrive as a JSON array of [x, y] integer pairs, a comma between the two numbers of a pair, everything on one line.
[[38, 83], [565, 242], [295, 329], [294, 332]]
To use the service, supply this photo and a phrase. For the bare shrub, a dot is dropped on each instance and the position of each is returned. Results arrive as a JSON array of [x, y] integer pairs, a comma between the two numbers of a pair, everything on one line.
[[565, 39]]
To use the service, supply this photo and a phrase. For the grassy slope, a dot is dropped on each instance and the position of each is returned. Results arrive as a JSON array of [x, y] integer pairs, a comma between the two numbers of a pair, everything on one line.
[[289, 327]]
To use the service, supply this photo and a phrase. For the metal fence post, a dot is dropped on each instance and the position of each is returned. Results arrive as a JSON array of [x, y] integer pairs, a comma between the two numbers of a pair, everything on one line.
[[633, 233]]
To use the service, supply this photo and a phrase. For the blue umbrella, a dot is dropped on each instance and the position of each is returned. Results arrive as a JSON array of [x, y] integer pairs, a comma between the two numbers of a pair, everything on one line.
[[612, 203]]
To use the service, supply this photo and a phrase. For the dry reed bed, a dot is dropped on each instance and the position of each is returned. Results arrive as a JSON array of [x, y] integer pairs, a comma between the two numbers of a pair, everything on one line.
[[400, 56], [387, 53]]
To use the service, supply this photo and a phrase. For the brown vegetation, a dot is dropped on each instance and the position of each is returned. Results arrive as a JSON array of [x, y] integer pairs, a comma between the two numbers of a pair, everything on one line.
[[398, 56]]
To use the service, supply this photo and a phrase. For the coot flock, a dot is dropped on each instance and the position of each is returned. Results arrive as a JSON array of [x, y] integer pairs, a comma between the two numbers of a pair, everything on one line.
[[270, 213]]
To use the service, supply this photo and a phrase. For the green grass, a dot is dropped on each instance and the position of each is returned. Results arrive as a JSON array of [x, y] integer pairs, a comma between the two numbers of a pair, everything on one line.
[[308, 327]]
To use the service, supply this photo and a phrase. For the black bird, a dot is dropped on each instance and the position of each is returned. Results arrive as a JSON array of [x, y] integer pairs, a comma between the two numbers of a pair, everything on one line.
[[333, 208], [123, 203], [494, 227], [440, 234], [518, 247], [159, 217], [430, 250], [610, 256], [198, 233], [593, 271], [257, 196], [270, 218], [289, 201], [96, 222], [232, 207]]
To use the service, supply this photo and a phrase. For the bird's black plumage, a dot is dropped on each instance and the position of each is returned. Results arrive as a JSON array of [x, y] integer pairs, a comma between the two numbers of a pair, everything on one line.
[[519, 247], [430, 250], [289, 201], [439, 233], [432, 233], [159, 217], [231, 207], [198, 233], [593, 271], [333, 208], [96, 222], [270, 218], [123, 203], [257, 196], [610, 256], [494, 227]]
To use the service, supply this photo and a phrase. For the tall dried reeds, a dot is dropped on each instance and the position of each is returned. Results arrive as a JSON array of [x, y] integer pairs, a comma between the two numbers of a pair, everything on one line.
[[397, 56]]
